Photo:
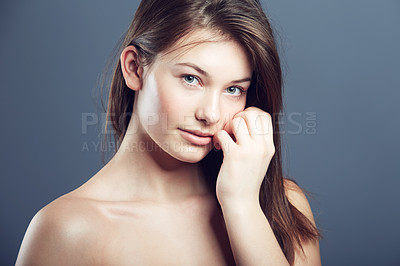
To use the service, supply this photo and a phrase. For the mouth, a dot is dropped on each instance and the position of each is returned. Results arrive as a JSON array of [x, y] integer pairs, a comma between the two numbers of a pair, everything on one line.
[[196, 137]]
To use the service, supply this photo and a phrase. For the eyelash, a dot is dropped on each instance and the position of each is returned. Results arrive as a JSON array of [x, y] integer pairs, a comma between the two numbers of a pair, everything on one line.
[[242, 91], [188, 84]]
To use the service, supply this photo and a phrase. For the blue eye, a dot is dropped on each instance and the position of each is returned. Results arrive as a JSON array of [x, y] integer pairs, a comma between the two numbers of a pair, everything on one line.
[[235, 91], [191, 80]]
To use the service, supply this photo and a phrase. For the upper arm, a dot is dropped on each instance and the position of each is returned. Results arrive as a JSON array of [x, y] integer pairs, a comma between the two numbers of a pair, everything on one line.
[[297, 198], [55, 236]]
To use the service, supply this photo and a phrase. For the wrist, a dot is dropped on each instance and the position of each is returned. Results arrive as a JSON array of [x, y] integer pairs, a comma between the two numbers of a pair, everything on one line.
[[240, 206]]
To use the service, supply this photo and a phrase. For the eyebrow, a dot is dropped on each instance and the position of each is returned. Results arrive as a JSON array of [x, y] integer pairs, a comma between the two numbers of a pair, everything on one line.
[[204, 73]]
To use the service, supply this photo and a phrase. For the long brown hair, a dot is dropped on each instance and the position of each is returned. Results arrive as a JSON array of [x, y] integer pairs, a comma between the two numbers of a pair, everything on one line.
[[156, 26]]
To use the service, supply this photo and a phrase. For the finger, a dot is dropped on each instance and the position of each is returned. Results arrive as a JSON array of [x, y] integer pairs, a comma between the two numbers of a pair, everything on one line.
[[223, 140], [266, 122], [253, 122], [240, 130], [228, 127]]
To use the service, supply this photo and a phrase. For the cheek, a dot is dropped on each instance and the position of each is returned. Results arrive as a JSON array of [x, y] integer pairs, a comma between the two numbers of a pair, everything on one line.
[[230, 110], [173, 104], [148, 102]]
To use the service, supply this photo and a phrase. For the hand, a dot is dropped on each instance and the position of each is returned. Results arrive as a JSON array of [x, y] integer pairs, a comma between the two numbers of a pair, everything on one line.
[[246, 156]]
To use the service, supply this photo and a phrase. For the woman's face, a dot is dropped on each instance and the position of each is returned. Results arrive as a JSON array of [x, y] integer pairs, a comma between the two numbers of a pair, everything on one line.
[[190, 93]]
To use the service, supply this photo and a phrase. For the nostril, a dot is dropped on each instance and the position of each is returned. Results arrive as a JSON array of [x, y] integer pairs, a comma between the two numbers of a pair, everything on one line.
[[207, 117]]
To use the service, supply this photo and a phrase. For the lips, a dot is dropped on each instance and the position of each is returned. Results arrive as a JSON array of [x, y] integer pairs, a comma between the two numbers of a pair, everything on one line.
[[196, 137]]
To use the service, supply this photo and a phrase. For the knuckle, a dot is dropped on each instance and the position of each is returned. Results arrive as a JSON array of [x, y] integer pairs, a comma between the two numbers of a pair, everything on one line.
[[253, 108], [267, 116]]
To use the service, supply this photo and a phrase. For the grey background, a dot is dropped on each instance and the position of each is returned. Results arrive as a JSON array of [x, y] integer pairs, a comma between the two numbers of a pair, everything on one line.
[[342, 65]]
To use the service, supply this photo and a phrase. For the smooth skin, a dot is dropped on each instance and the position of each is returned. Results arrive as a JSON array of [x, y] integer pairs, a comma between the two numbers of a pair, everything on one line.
[[150, 204]]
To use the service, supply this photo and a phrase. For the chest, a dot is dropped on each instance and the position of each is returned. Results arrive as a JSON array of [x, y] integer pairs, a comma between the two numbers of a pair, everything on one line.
[[162, 236]]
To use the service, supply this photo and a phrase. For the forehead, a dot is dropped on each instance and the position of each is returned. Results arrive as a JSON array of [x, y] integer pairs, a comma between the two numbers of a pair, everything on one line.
[[192, 39], [208, 49]]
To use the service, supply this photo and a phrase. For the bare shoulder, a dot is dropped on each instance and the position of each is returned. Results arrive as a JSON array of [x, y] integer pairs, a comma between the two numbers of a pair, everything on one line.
[[299, 200], [296, 196], [60, 233]]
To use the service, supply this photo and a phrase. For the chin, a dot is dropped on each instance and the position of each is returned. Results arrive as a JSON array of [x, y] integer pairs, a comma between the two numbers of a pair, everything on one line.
[[191, 154]]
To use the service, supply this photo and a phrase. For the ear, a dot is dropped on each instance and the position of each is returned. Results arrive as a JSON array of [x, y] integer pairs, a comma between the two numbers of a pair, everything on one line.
[[131, 69]]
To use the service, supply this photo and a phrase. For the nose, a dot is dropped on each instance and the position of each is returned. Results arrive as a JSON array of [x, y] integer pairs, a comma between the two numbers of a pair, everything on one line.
[[208, 109]]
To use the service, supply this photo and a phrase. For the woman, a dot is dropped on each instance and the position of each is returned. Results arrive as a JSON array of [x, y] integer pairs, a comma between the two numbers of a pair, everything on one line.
[[197, 176]]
